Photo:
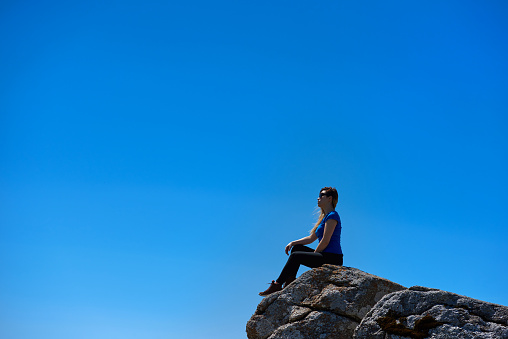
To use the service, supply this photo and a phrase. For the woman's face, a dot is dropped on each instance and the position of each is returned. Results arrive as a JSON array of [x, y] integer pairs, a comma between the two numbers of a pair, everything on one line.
[[323, 199]]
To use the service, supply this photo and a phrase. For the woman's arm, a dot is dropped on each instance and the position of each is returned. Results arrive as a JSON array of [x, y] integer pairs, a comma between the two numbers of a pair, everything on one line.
[[304, 241], [327, 235]]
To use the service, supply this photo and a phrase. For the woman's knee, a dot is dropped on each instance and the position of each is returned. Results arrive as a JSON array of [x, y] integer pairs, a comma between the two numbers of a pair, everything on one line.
[[295, 256]]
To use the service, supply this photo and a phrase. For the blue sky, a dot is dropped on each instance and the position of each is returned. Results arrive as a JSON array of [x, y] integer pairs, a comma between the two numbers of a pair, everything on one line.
[[156, 157]]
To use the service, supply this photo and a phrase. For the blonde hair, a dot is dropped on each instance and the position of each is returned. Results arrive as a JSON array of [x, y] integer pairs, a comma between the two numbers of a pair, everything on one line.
[[329, 191]]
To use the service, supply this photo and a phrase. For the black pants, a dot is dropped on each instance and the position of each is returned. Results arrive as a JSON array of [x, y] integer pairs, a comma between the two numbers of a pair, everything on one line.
[[303, 255]]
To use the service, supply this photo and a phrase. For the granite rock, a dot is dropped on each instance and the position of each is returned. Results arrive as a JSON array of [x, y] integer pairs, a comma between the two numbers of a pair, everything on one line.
[[326, 302], [421, 312]]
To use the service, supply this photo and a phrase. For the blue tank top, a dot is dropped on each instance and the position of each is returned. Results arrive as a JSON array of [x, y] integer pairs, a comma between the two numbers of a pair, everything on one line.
[[334, 245]]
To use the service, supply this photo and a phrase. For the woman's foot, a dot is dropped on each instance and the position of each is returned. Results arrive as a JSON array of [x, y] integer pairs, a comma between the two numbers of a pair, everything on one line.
[[274, 287]]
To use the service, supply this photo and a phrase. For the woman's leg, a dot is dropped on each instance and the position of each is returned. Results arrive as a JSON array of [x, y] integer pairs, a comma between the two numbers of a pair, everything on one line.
[[288, 269], [300, 255]]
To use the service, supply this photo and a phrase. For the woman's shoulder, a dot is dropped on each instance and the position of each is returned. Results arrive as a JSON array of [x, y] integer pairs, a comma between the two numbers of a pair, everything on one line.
[[333, 215]]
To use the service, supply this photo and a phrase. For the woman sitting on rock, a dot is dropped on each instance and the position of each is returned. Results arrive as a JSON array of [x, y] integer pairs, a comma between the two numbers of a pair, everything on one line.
[[328, 251]]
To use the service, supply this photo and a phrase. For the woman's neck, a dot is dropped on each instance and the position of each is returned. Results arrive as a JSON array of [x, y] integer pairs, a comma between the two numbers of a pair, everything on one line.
[[327, 209]]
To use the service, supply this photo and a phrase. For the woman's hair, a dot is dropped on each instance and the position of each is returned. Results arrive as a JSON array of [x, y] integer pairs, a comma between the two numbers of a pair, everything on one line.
[[329, 192]]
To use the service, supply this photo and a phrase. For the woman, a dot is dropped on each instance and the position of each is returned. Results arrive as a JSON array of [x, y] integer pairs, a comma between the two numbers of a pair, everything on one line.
[[328, 251]]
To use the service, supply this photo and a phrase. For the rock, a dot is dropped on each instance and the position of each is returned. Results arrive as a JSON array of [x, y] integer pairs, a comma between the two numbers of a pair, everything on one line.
[[420, 312], [326, 302], [344, 302]]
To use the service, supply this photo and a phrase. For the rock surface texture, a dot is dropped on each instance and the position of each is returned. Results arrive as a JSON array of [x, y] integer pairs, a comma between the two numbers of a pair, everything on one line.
[[421, 312], [326, 302], [344, 302]]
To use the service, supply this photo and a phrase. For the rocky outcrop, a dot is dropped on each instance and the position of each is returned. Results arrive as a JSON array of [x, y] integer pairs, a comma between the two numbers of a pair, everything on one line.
[[344, 302], [326, 302], [421, 312]]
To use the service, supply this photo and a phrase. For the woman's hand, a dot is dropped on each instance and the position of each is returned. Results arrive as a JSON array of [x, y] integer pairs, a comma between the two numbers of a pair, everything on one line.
[[288, 247]]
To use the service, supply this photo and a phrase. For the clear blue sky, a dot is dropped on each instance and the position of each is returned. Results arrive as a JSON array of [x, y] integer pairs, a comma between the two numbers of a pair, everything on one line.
[[156, 157]]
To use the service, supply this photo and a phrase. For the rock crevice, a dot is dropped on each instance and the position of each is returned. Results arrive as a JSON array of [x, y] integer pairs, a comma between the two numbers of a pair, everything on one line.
[[318, 309]]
